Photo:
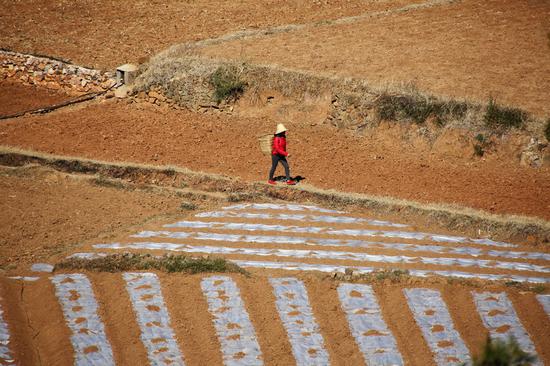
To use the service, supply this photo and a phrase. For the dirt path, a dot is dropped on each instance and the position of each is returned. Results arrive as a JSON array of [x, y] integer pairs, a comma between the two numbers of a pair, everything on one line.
[[382, 165]]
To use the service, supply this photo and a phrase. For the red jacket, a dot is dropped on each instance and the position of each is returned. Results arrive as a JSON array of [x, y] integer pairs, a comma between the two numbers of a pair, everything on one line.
[[279, 146]]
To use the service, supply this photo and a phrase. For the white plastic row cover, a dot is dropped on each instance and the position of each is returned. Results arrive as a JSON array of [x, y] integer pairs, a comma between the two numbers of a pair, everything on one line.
[[352, 243], [303, 332], [367, 325], [88, 338], [434, 320], [500, 318], [410, 235], [328, 268], [153, 319], [6, 356], [235, 331], [330, 254], [545, 302], [298, 217], [277, 206]]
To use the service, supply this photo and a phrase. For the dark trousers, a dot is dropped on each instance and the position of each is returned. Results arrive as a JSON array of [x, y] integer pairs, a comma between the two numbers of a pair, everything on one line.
[[275, 159]]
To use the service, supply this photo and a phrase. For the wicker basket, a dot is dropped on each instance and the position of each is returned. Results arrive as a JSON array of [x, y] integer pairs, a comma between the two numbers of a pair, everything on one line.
[[266, 143]]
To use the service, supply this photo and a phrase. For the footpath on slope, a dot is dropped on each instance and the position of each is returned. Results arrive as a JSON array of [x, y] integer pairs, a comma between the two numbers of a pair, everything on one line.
[[326, 157]]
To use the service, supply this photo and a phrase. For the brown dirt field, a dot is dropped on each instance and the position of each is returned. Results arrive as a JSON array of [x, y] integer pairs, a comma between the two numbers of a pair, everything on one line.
[[383, 164], [196, 336], [105, 34], [120, 326], [469, 49], [340, 344], [191, 320], [260, 302], [44, 213], [17, 97], [50, 343], [401, 323]]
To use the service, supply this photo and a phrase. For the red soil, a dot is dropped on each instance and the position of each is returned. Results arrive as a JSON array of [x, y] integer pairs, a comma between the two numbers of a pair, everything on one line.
[[105, 33], [326, 157], [14, 97], [470, 49]]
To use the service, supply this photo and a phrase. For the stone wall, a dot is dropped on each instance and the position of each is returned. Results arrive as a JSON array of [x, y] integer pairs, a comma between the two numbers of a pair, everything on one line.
[[53, 74]]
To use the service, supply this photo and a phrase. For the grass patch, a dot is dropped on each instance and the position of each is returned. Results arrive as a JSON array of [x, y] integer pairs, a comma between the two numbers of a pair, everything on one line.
[[227, 83], [188, 206], [500, 117], [500, 353], [481, 144], [108, 183], [418, 109], [547, 130], [393, 275], [136, 262]]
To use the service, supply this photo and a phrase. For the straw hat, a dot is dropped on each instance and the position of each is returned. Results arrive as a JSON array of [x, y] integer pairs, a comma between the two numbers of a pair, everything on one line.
[[280, 128]]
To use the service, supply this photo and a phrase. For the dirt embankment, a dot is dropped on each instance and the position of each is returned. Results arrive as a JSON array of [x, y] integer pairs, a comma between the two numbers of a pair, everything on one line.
[[384, 164], [105, 34]]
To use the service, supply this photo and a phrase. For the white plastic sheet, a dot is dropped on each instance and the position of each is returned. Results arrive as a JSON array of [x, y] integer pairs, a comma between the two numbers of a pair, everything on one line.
[[88, 338], [545, 302], [367, 325], [25, 278], [298, 217], [42, 267], [280, 206], [330, 254], [6, 355], [153, 319], [434, 320], [500, 318], [410, 235], [328, 268], [352, 243], [302, 329], [235, 331]]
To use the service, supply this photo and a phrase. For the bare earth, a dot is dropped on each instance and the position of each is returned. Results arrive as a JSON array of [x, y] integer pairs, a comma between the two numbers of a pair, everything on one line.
[[43, 213], [327, 158], [35, 318], [15, 97], [104, 34], [466, 49], [469, 49]]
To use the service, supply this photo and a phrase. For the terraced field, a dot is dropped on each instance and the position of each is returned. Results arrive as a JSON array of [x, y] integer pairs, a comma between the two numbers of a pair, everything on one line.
[[286, 312]]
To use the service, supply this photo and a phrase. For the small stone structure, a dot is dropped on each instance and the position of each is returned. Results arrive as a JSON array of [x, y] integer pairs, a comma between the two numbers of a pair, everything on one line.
[[126, 74]]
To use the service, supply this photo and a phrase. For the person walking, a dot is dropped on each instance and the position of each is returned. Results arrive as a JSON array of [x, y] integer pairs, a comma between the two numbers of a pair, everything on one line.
[[279, 154]]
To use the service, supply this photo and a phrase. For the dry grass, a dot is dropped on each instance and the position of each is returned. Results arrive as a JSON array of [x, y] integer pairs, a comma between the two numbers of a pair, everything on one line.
[[187, 79], [143, 262], [504, 227]]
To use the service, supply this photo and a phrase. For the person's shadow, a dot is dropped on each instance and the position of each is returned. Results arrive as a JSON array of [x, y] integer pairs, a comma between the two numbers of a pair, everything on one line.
[[282, 178]]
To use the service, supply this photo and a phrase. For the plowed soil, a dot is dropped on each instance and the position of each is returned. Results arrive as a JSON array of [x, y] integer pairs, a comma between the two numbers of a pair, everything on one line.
[[384, 164], [468, 49], [43, 213], [196, 335], [15, 97], [104, 34]]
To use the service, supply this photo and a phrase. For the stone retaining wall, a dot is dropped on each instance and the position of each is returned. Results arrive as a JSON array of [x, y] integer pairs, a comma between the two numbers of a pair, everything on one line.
[[53, 74]]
